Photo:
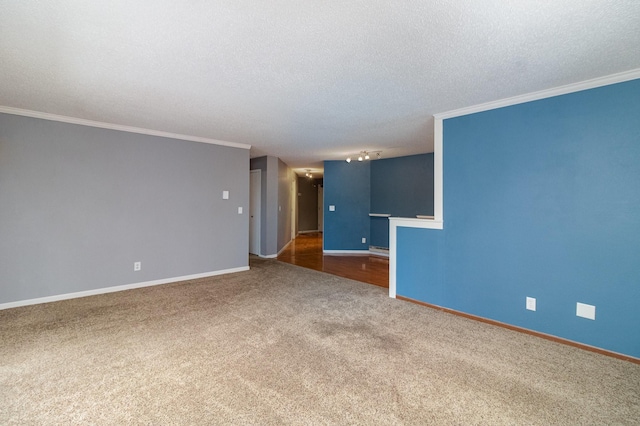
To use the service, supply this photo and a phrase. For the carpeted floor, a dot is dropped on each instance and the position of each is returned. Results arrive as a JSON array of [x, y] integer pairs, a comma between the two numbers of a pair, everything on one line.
[[284, 345]]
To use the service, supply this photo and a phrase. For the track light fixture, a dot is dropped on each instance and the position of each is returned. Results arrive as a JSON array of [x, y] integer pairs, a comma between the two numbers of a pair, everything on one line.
[[364, 155]]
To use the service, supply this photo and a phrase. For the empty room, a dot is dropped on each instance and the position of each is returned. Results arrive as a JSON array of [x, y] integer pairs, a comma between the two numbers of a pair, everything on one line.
[[421, 212]]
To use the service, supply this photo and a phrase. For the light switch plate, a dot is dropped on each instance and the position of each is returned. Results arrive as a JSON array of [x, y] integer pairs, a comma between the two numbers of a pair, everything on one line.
[[239, 210], [332, 208], [225, 195]]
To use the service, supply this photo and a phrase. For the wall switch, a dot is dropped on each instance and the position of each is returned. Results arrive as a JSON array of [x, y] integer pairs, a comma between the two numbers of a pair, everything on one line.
[[586, 311], [225, 195], [364, 240], [332, 208], [239, 210], [531, 303], [137, 266], [279, 208]]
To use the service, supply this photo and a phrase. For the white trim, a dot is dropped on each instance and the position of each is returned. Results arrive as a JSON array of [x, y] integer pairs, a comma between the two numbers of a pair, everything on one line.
[[412, 222], [407, 222], [311, 231], [393, 258], [438, 171], [119, 127], [543, 94], [345, 252], [379, 252], [285, 247], [114, 289], [379, 215], [273, 256]]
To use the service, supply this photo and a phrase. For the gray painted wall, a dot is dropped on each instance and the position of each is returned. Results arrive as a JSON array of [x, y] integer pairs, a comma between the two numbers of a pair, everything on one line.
[[307, 204], [286, 178], [261, 164], [275, 224], [79, 205], [269, 203]]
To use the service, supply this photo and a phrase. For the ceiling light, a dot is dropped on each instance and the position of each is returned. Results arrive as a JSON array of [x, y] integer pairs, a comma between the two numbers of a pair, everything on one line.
[[364, 155]]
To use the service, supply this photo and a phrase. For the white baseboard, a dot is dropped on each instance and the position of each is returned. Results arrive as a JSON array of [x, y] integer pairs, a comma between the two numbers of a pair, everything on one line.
[[273, 256], [358, 252], [346, 252], [104, 290], [379, 252], [285, 247]]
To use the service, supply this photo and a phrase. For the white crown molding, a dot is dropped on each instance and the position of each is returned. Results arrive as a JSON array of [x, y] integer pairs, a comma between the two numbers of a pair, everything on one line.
[[556, 91], [114, 289], [119, 127]]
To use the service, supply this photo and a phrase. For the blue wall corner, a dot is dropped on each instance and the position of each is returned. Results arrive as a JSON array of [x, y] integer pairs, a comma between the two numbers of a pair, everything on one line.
[[401, 187], [541, 199], [347, 187]]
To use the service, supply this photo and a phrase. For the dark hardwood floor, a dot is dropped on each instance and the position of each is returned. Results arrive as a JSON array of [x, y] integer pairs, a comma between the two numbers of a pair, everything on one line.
[[306, 251]]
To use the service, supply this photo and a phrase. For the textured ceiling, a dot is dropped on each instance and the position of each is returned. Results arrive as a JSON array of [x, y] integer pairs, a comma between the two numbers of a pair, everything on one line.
[[302, 80]]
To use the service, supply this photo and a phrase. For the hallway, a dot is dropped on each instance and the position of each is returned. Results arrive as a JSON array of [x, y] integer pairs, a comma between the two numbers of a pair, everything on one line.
[[306, 251]]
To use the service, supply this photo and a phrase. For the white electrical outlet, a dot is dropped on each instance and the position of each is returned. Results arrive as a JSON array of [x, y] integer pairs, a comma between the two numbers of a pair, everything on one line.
[[332, 208], [137, 266], [531, 303], [364, 240], [239, 210], [586, 311], [225, 195]]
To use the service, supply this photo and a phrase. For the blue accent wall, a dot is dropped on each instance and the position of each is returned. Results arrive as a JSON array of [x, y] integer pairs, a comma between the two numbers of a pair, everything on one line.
[[402, 186], [346, 186], [379, 230], [541, 199]]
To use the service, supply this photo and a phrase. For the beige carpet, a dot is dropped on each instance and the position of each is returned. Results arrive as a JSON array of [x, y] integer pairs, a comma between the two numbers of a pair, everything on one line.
[[284, 345]]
